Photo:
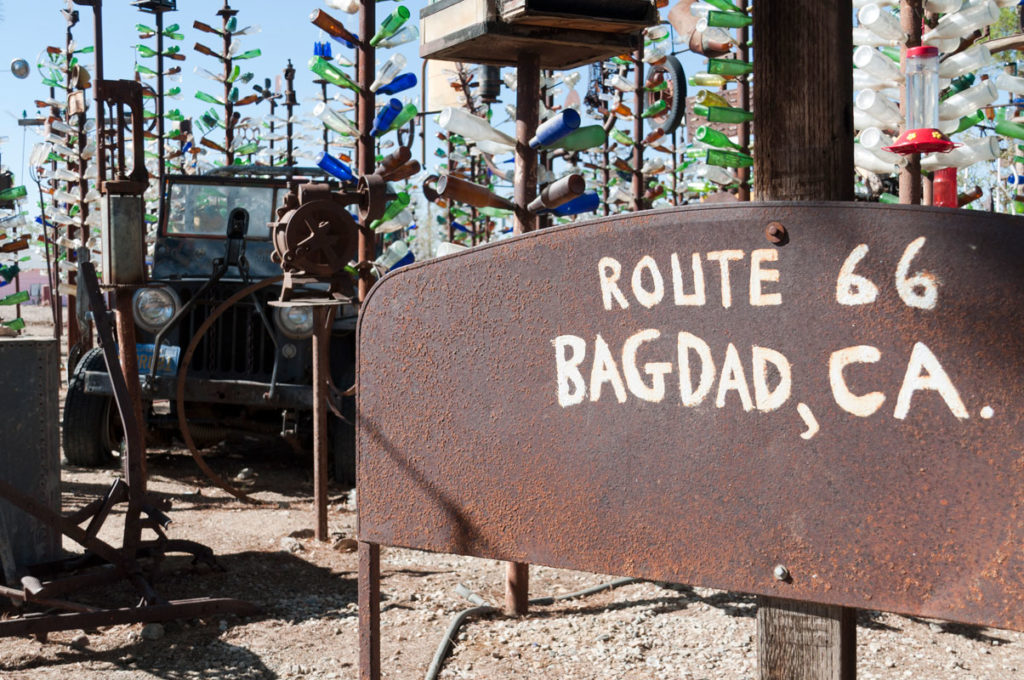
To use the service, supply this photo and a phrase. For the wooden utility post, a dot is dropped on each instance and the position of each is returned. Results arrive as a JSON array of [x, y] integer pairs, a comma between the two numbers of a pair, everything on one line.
[[803, 95], [911, 14]]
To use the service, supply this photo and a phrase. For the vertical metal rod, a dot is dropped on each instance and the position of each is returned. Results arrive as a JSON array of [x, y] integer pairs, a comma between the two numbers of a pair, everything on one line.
[[101, 157], [911, 12], [369, 611], [135, 458], [517, 588], [744, 173], [74, 330], [229, 108], [527, 100], [323, 319], [638, 130], [365, 146], [606, 174], [160, 102], [323, 94], [289, 103]]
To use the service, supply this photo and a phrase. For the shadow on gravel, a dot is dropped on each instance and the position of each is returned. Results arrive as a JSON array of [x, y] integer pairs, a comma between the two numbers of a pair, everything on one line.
[[979, 633], [212, 660], [284, 586]]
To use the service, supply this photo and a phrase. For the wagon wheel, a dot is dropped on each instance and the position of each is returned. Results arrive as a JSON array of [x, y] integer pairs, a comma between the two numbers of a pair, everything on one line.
[[673, 94]]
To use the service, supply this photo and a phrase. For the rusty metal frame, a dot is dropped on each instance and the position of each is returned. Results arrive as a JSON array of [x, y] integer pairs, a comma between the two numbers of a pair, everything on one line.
[[126, 560]]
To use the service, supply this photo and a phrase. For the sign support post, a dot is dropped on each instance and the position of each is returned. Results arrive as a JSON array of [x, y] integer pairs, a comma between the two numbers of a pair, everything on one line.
[[803, 96]]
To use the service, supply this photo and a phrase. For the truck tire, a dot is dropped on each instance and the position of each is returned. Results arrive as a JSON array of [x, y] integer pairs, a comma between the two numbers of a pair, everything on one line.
[[91, 425], [674, 94]]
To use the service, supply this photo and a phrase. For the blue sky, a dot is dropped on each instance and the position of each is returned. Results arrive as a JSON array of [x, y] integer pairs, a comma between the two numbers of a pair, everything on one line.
[[26, 28]]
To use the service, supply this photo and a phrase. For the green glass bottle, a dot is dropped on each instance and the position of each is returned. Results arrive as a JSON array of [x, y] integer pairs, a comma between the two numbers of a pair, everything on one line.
[[728, 19], [15, 324], [407, 113], [581, 139], [208, 98], [13, 193], [970, 121], [723, 114], [727, 159], [331, 73], [622, 138], [1008, 128], [15, 298], [247, 148], [729, 67], [391, 24], [248, 54], [655, 109], [713, 137], [396, 206]]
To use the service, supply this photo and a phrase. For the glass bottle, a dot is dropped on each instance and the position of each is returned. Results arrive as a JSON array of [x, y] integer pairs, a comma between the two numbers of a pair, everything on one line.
[[392, 23], [388, 71]]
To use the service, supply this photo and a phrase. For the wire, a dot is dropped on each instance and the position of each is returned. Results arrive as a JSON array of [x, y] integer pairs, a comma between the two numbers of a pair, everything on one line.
[[448, 641]]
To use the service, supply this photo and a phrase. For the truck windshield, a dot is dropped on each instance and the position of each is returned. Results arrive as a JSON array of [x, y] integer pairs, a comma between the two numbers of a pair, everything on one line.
[[202, 209]]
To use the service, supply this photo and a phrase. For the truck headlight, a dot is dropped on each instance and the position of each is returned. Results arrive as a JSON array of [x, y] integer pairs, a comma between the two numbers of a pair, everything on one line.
[[295, 322], [154, 307]]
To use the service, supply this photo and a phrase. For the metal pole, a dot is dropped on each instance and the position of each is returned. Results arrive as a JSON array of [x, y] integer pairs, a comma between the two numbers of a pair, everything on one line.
[[803, 96], [527, 99], [638, 131], [369, 610], [323, 319], [911, 13], [744, 173], [160, 103], [365, 145], [289, 103]]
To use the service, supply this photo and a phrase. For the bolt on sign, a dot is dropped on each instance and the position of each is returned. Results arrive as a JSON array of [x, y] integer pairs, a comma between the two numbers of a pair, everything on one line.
[[705, 394]]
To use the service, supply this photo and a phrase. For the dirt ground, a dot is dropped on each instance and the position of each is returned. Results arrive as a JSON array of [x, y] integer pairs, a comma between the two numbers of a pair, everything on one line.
[[307, 593]]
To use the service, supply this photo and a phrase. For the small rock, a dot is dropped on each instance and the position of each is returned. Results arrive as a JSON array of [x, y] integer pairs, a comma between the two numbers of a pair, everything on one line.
[[289, 544], [244, 474], [345, 545], [80, 641], [152, 631], [223, 625]]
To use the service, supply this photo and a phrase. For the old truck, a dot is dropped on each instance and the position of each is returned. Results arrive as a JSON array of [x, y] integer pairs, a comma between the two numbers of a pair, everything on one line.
[[250, 370]]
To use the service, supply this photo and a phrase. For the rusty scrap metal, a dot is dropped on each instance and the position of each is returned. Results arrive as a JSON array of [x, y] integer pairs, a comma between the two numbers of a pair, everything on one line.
[[874, 482], [110, 563], [315, 237]]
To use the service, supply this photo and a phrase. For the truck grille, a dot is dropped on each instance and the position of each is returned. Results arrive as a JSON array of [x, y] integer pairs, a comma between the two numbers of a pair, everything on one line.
[[237, 346]]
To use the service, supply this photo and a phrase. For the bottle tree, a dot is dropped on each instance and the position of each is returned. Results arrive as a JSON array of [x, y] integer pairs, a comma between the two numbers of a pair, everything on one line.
[[239, 138], [969, 112], [389, 115], [15, 240], [163, 126]]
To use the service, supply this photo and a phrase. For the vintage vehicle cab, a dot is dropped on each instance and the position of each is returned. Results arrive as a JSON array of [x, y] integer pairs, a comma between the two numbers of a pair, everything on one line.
[[250, 371]]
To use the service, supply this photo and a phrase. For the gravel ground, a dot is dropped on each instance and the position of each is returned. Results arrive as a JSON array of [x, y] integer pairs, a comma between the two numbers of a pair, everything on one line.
[[307, 593]]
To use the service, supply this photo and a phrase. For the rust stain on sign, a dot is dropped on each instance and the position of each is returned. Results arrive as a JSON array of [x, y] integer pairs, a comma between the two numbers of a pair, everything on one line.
[[674, 396]]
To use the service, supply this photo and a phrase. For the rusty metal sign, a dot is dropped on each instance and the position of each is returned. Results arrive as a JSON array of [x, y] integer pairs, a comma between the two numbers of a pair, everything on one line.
[[704, 394]]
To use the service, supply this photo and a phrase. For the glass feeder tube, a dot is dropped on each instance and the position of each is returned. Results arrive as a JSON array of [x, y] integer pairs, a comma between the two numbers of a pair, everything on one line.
[[922, 105]]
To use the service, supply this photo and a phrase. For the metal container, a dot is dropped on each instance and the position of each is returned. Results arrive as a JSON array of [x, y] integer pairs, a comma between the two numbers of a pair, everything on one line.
[[30, 452]]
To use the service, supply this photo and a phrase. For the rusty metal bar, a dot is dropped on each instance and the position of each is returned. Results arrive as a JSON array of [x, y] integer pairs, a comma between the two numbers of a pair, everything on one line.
[[323, 318], [517, 588], [911, 13], [527, 111], [744, 173], [638, 130], [365, 147], [175, 609], [369, 611]]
